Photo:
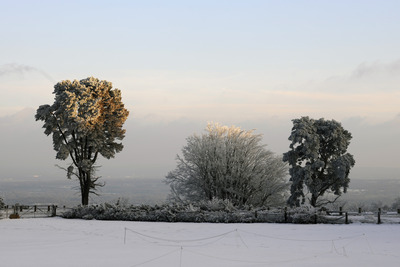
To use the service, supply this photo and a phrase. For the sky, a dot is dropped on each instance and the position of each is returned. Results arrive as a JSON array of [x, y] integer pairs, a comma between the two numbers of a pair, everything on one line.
[[181, 64]]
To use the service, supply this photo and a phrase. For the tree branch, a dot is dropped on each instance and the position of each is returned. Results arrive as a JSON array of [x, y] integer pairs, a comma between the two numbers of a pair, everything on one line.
[[65, 139]]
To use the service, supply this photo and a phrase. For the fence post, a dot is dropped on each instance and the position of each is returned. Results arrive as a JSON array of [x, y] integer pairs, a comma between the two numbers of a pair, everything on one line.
[[346, 218], [286, 217], [359, 210], [15, 214], [379, 216], [54, 211], [340, 211]]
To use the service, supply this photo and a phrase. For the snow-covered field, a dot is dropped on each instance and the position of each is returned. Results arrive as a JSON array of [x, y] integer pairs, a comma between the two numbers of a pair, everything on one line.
[[62, 242]]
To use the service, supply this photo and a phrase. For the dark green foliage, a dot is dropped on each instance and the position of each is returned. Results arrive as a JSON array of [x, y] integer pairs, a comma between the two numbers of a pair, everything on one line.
[[318, 160]]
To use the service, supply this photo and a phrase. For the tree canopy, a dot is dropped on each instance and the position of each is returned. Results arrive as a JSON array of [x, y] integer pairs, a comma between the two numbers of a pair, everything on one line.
[[231, 164], [85, 121], [318, 160]]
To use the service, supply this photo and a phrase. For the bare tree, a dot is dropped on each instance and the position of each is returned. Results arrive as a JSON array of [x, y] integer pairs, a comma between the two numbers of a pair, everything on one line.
[[228, 163], [86, 121]]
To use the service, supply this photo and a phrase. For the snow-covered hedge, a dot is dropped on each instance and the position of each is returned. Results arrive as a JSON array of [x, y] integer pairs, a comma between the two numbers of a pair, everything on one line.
[[1, 207], [215, 211]]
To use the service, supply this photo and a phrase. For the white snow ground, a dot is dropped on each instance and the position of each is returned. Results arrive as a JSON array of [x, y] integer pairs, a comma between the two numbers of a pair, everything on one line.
[[62, 242]]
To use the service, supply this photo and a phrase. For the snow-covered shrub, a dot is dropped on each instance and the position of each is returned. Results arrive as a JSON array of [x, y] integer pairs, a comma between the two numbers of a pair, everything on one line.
[[214, 211], [304, 215], [307, 215], [368, 218], [228, 163], [216, 204], [270, 216], [2, 206], [190, 216], [88, 217]]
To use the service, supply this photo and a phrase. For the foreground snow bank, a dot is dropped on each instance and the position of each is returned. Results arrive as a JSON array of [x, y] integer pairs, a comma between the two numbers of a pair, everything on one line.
[[62, 242]]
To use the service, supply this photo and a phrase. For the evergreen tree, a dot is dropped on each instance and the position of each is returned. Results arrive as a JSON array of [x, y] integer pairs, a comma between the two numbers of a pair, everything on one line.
[[318, 160]]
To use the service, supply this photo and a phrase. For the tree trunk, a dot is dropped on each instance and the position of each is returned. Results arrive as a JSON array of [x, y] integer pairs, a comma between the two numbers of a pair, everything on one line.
[[85, 197], [313, 200], [85, 187]]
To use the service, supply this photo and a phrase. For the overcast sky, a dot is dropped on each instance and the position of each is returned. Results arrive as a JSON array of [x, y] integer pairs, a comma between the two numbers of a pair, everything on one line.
[[180, 64]]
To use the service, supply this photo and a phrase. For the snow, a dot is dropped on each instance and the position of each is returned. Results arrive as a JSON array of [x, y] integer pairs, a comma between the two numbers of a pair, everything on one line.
[[63, 242]]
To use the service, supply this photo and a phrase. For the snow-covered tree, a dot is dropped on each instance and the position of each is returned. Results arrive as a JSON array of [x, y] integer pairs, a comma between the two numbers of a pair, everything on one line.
[[318, 160], [86, 121], [231, 164], [396, 204]]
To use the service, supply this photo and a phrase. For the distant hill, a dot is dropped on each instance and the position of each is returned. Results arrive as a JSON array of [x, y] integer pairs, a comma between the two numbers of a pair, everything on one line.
[[64, 192], [362, 192], [366, 191]]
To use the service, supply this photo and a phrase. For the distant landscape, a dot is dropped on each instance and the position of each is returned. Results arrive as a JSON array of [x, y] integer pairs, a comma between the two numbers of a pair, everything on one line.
[[371, 191], [362, 192], [64, 192]]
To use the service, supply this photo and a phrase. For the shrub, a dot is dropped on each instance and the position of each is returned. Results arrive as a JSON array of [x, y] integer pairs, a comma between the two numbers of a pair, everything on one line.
[[214, 211]]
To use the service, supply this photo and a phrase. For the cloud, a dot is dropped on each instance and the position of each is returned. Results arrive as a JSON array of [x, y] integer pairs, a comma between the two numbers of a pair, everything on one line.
[[13, 68], [232, 106], [368, 78], [376, 68]]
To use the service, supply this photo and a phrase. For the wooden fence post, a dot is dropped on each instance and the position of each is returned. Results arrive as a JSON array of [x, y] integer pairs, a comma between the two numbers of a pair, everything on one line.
[[15, 214], [54, 211], [346, 218], [359, 210], [286, 217], [379, 216], [340, 211]]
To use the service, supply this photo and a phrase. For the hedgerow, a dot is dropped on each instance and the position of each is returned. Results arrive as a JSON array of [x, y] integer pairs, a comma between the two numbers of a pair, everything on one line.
[[214, 211]]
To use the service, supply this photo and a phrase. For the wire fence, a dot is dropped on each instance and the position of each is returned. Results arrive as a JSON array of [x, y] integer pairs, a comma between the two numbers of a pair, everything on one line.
[[31, 211], [361, 216], [245, 239]]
